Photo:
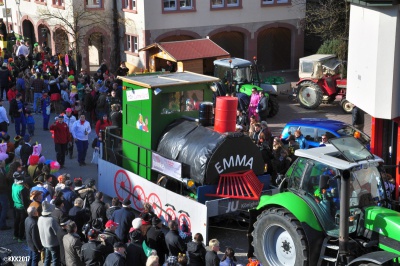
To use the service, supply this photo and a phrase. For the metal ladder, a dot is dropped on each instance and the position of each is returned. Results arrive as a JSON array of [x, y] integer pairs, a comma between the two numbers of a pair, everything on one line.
[[329, 247]]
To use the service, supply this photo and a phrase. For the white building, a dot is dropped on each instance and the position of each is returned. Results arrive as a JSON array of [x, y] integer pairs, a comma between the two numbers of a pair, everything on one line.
[[268, 29]]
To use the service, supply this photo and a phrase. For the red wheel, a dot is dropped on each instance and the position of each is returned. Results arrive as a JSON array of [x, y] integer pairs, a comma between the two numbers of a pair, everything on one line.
[[169, 215], [155, 202], [122, 184], [139, 198], [183, 218]]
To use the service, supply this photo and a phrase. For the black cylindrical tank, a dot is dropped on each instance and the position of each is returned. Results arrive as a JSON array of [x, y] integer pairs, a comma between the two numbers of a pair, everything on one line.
[[208, 153], [206, 115]]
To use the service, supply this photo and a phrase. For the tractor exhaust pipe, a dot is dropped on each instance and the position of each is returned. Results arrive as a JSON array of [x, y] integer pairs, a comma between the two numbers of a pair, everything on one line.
[[344, 218]]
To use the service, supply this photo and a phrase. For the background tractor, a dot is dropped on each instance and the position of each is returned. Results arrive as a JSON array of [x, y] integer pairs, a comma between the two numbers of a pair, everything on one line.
[[330, 210], [321, 82], [240, 76]]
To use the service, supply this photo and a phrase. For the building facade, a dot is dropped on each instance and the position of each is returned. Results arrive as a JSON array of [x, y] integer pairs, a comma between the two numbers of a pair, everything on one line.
[[271, 30]]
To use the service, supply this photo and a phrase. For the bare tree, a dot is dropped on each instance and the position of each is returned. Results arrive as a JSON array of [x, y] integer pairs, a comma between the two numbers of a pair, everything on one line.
[[76, 20]]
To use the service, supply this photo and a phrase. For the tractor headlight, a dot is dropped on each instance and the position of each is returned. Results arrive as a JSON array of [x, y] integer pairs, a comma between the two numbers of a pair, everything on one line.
[[190, 184]]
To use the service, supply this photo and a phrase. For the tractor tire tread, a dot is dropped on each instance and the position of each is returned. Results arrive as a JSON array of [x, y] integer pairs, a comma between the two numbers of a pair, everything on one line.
[[318, 91]]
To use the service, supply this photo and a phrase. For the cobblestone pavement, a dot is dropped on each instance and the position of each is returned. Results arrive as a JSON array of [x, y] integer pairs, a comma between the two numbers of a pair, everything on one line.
[[231, 234]]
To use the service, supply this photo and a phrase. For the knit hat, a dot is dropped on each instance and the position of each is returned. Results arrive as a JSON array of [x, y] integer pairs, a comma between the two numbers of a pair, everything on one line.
[[68, 110], [136, 223], [47, 208], [36, 44], [71, 78]]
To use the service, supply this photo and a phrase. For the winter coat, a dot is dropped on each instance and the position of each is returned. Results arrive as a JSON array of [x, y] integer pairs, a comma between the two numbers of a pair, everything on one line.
[[303, 144], [69, 198], [110, 211], [135, 255], [26, 151], [155, 239], [197, 254], [32, 234], [212, 258], [175, 243], [101, 103], [115, 259], [110, 237], [263, 108], [5, 77], [124, 218], [357, 116], [13, 111], [60, 235], [48, 228], [95, 253], [72, 249], [101, 125], [20, 196], [227, 262], [98, 210], [61, 132], [58, 215]]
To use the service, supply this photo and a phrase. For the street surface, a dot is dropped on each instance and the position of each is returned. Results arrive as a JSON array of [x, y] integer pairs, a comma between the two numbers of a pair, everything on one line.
[[228, 232]]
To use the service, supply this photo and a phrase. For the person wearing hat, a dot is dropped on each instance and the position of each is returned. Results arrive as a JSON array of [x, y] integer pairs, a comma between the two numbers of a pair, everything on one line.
[[155, 238], [134, 250], [109, 233], [3, 118], [40, 187], [36, 197], [48, 228], [69, 196], [26, 150], [118, 257], [80, 132], [62, 231], [124, 218], [174, 242], [69, 119], [32, 236], [61, 139], [5, 77], [20, 196], [94, 252], [72, 245], [17, 110]]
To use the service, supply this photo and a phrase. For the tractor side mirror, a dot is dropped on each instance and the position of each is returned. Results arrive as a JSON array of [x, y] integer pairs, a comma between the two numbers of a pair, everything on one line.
[[324, 181]]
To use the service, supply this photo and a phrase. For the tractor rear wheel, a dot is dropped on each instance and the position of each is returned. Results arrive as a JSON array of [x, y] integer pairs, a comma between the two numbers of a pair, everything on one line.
[[273, 106], [309, 95], [346, 106], [279, 239]]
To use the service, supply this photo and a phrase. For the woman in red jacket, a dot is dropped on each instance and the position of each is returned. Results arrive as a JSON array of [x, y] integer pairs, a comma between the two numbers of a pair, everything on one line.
[[102, 124]]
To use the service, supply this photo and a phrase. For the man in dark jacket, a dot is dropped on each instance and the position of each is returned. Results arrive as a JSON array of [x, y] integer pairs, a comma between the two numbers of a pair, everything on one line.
[[62, 231], [26, 150], [357, 116], [17, 111], [32, 236], [58, 214], [262, 106], [109, 233], [5, 77], [115, 205], [4, 197], [95, 252], [124, 218], [212, 258], [117, 258], [98, 208], [175, 243], [134, 252], [155, 239], [79, 215], [69, 196], [72, 246]]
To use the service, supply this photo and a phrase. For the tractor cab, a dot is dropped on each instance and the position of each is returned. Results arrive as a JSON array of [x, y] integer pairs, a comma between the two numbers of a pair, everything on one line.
[[319, 65]]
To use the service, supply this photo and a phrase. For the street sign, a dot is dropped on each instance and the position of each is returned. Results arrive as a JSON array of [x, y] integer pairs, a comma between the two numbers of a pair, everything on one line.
[[6, 12]]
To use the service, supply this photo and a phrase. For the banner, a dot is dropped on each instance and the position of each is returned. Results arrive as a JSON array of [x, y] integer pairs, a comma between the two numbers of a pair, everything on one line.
[[166, 166]]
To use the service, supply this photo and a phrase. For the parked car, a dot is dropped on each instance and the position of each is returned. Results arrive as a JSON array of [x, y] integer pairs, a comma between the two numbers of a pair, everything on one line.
[[313, 128]]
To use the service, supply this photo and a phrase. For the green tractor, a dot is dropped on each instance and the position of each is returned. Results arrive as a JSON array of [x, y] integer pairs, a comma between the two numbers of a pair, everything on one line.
[[240, 76], [330, 209]]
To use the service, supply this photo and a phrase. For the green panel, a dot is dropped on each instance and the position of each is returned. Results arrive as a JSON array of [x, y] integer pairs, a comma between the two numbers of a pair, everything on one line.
[[386, 248], [294, 204], [384, 221], [246, 88]]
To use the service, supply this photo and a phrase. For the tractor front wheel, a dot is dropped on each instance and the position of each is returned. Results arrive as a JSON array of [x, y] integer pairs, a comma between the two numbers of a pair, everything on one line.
[[346, 106], [309, 95], [279, 239], [273, 106]]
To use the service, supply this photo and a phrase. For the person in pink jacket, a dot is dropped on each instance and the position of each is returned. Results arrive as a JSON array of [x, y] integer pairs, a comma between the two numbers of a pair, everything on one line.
[[254, 99]]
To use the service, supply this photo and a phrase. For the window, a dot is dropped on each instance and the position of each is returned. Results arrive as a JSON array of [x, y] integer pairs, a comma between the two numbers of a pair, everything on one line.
[[178, 5], [129, 4], [226, 4], [181, 101], [58, 2], [132, 44], [274, 2], [94, 3]]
